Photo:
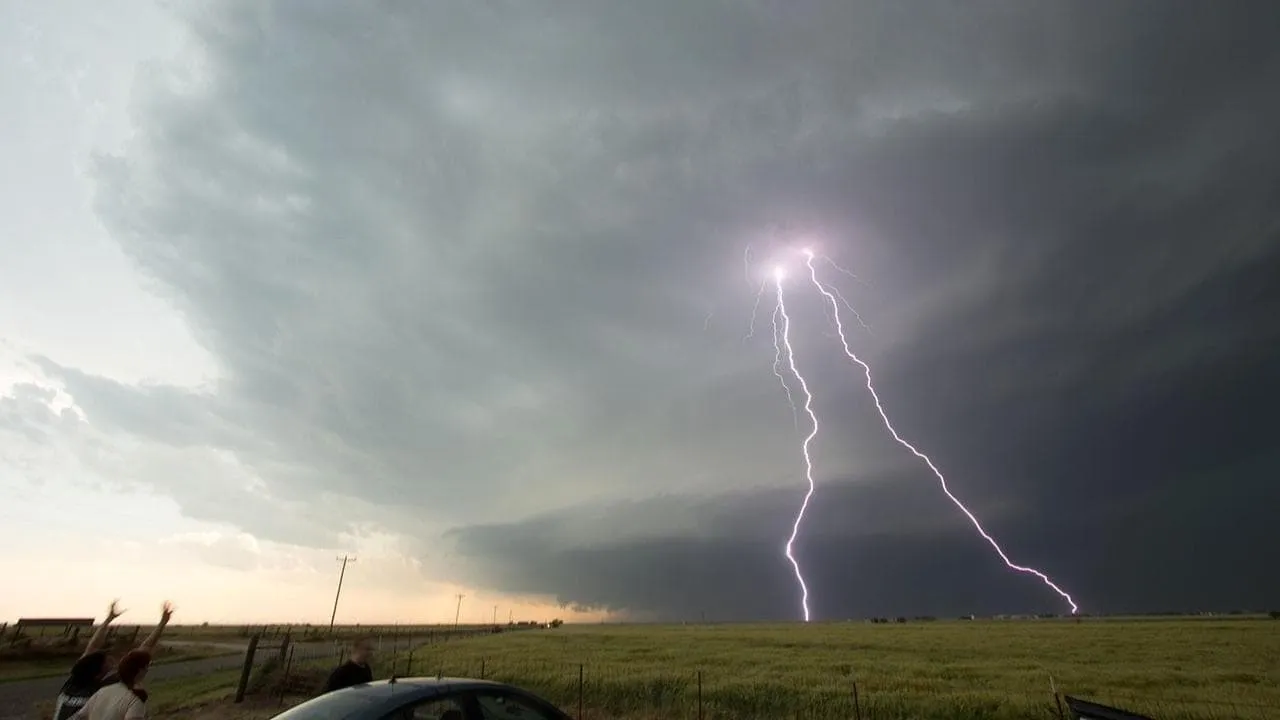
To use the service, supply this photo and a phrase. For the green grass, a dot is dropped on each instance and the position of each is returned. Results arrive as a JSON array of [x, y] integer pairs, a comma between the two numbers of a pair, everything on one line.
[[1174, 669], [191, 691]]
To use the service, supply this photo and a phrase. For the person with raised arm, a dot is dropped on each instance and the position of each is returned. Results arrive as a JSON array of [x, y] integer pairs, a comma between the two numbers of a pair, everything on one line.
[[124, 699], [96, 667], [166, 612]]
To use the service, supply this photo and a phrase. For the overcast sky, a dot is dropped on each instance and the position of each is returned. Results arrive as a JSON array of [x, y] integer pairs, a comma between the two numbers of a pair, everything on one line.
[[464, 289]]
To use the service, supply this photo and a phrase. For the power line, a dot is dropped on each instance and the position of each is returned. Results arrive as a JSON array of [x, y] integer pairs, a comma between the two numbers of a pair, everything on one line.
[[341, 574]]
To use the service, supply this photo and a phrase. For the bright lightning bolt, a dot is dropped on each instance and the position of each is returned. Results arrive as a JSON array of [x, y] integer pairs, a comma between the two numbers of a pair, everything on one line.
[[781, 310], [866, 370], [751, 329], [809, 254], [852, 309], [777, 369], [838, 268]]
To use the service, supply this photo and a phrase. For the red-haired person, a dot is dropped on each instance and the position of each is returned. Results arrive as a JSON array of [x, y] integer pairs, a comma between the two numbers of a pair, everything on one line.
[[96, 668], [124, 699]]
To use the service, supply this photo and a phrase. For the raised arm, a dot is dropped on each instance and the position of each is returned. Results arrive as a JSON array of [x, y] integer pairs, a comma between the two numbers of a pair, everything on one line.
[[99, 638], [150, 643]]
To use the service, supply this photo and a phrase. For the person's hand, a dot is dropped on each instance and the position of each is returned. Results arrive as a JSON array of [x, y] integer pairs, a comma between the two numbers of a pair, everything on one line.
[[166, 612], [114, 610]]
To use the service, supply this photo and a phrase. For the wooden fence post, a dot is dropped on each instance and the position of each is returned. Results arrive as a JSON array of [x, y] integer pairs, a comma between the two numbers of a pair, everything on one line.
[[699, 695], [284, 685], [580, 683], [247, 668], [1057, 698], [857, 706]]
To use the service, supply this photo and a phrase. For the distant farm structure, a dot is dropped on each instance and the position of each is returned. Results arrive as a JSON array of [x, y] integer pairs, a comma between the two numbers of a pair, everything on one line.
[[70, 627]]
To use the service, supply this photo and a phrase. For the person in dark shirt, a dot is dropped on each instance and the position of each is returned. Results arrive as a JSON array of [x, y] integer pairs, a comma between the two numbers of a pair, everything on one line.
[[96, 668], [355, 670]]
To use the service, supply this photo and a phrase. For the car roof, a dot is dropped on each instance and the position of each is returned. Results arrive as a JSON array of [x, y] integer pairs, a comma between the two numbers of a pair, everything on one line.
[[373, 698], [441, 683], [424, 687]]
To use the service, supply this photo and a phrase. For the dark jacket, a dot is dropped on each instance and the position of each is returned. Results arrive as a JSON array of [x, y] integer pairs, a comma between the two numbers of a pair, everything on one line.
[[84, 680], [347, 674]]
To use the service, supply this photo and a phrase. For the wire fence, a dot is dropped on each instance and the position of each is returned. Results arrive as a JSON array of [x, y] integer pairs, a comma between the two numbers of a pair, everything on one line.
[[346, 633], [595, 691], [613, 691], [291, 668]]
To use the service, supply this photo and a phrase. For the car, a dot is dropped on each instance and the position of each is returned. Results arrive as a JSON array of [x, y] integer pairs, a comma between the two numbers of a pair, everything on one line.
[[436, 698]]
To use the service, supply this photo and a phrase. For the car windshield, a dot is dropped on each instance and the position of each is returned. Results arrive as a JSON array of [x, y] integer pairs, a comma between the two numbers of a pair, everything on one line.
[[504, 706], [331, 706]]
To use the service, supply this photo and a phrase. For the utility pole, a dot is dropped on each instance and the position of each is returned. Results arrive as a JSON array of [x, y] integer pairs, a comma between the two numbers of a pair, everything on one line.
[[458, 612], [341, 574]]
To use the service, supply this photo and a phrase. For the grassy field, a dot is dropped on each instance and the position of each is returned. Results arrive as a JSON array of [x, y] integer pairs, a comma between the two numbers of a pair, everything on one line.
[[175, 696], [1173, 669]]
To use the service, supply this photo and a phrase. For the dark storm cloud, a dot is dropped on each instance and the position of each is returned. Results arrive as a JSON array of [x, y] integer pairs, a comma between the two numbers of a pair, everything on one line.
[[455, 262], [888, 547], [1104, 365]]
